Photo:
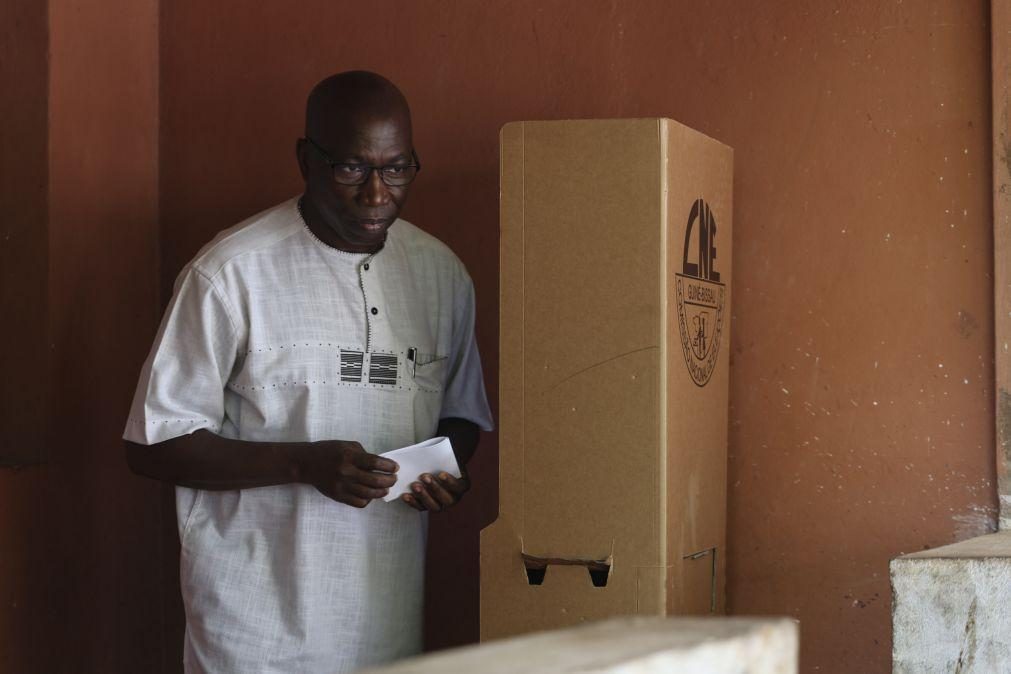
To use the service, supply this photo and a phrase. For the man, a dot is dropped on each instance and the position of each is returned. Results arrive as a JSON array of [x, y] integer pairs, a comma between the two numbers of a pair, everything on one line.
[[298, 345]]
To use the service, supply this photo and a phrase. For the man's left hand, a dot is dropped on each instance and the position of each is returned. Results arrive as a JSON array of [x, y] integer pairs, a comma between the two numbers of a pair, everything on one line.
[[436, 492]]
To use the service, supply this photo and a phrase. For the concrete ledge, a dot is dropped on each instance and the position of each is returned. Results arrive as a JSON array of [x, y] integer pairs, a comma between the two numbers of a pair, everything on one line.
[[951, 608], [629, 646]]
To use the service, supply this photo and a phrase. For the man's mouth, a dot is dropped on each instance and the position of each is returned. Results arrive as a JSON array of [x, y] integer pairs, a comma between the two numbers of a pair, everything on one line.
[[375, 224]]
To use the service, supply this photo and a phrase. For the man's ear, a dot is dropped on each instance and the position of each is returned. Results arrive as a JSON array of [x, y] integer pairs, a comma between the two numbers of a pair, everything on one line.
[[300, 157]]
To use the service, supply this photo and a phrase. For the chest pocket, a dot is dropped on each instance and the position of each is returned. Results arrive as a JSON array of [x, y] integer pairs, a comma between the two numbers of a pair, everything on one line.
[[427, 370]]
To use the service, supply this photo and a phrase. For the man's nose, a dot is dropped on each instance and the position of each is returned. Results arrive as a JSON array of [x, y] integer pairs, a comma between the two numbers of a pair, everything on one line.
[[374, 191]]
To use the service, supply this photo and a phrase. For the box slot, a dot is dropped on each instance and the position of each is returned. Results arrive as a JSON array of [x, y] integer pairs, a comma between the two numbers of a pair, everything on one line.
[[537, 568]]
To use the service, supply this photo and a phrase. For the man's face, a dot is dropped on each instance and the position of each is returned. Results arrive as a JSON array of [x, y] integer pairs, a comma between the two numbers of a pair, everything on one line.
[[359, 215]]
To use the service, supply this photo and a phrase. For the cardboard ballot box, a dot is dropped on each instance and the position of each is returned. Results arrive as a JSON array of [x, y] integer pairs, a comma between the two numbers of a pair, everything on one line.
[[615, 331]]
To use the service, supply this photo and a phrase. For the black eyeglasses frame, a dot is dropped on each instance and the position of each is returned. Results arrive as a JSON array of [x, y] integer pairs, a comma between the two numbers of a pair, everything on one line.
[[335, 165]]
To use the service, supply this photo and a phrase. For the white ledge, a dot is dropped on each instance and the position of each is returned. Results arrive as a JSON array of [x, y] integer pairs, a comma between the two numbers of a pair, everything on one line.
[[982, 547], [629, 646], [950, 609]]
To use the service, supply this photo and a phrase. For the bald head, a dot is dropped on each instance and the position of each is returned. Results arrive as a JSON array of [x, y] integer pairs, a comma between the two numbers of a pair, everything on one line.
[[342, 102], [355, 120]]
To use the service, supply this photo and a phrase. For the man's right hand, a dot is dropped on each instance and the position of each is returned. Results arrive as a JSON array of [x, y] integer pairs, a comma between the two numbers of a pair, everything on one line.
[[348, 474], [340, 469]]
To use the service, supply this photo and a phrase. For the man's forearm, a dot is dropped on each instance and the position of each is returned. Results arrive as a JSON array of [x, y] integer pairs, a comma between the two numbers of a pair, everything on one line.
[[203, 460]]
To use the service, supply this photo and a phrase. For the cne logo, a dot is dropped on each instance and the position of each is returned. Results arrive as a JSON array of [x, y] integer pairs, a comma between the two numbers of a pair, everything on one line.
[[700, 295]]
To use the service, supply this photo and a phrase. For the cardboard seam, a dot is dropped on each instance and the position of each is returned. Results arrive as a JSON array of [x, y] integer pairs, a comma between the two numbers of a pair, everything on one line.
[[664, 609], [664, 367], [523, 329]]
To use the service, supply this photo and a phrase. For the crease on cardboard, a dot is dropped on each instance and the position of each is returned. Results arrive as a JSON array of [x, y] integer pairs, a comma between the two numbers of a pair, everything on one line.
[[653, 592], [523, 329], [661, 463], [586, 369], [637, 591], [522, 548]]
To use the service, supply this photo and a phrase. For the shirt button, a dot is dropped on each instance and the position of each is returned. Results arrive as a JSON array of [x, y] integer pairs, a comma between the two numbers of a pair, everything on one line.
[[365, 266], [374, 311]]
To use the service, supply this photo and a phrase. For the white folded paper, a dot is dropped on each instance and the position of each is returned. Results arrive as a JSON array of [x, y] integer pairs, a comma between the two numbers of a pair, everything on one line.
[[432, 456]]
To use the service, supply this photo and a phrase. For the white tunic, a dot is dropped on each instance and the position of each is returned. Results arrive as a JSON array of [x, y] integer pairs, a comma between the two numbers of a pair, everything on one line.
[[273, 336]]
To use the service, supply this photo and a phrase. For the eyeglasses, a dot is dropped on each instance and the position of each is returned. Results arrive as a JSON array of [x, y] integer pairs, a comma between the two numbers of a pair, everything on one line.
[[393, 175]]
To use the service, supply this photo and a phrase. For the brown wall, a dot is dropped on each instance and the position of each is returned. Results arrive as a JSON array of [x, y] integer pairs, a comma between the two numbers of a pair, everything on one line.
[[23, 260], [862, 266], [861, 421], [103, 564], [80, 554]]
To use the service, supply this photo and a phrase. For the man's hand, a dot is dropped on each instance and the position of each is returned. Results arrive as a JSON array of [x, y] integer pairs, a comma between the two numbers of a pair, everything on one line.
[[348, 474], [340, 469], [436, 493]]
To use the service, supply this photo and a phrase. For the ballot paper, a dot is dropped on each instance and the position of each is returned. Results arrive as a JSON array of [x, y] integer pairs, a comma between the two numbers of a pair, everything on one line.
[[432, 456]]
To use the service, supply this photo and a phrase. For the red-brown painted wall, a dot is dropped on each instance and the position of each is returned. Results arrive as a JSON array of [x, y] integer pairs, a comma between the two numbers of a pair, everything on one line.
[[81, 561], [24, 35], [861, 420], [103, 566]]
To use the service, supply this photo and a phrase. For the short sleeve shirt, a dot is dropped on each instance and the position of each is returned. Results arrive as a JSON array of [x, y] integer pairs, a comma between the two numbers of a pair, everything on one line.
[[271, 335]]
